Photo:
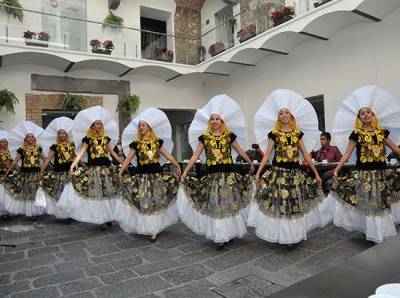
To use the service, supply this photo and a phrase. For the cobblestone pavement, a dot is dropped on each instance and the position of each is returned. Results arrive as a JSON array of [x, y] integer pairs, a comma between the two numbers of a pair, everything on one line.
[[54, 259]]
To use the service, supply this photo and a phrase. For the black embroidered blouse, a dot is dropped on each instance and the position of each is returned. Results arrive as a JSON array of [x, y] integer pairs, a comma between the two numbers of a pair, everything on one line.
[[286, 146]]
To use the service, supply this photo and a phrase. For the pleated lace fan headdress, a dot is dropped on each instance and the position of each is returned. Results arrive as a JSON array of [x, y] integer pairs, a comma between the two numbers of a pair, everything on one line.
[[229, 111], [159, 123], [85, 118], [49, 136], [17, 135], [381, 102], [3, 134], [300, 108]]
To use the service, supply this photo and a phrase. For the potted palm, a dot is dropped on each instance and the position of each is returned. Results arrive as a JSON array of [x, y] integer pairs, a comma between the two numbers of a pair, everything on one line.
[[14, 8], [72, 102], [8, 100]]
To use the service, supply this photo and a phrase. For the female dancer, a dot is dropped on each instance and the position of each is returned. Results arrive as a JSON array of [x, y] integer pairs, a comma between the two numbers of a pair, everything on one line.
[[5, 162], [62, 153], [363, 196], [20, 188], [148, 203], [91, 195], [287, 202], [216, 205]]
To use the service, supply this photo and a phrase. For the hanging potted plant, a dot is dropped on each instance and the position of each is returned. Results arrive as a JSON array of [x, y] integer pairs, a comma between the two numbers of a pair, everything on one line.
[[14, 8], [113, 21], [72, 102], [8, 100], [108, 47], [129, 104]]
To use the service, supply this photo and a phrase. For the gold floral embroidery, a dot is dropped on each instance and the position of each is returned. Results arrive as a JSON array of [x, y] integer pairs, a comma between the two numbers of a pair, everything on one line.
[[149, 151], [66, 153], [286, 145], [31, 157], [5, 160], [98, 147], [218, 149], [372, 145]]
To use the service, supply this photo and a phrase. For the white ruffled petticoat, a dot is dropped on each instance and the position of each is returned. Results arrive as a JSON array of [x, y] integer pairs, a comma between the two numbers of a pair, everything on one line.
[[396, 212], [376, 228], [132, 221], [16, 207], [217, 230], [44, 200], [95, 211], [289, 231]]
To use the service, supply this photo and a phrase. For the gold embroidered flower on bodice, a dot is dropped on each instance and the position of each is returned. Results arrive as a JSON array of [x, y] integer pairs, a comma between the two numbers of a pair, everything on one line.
[[66, 152], [98, 147], [5, 160], [372, 145], [287, 145], [218, 148], [31, 157], [149, 151]]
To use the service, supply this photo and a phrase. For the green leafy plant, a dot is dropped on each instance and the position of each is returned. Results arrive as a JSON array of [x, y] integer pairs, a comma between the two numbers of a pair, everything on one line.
[[72, 102], [7, 101], [14, 8], [113, 21], [129, 104]]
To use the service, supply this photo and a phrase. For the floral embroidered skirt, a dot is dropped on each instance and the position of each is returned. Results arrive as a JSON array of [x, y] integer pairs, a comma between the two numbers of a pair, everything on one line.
[[2, 177], [395, 186], [52, 186], [287, 205], [216, 205], [91, 194], [363, 202], [148, 203], [18, 193]]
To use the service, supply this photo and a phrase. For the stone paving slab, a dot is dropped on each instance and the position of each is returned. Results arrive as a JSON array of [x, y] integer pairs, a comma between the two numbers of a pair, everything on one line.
[[55, 259]]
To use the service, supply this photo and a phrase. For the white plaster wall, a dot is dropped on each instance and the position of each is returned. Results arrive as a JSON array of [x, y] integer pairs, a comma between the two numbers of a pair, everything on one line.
[[365, 53]]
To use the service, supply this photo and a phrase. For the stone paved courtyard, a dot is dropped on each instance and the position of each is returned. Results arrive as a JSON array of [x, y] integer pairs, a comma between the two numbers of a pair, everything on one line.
[[54, 259]]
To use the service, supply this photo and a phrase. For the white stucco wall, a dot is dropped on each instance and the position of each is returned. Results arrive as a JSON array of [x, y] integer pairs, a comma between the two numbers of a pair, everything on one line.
[[365, 53]]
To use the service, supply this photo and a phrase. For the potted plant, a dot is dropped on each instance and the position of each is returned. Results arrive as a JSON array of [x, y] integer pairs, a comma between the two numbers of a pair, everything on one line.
[[96, 46], [14, 8], [282, 15], [44, 37], [113, 21], [216, 48], [170, 55], [201, 52], [7, 101], [246, 33], [29, 35], [108, 47], [129, 104], [72, 102]]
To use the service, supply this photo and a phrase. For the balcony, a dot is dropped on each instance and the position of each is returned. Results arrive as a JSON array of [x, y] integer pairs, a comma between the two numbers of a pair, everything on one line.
[[265, 28]]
